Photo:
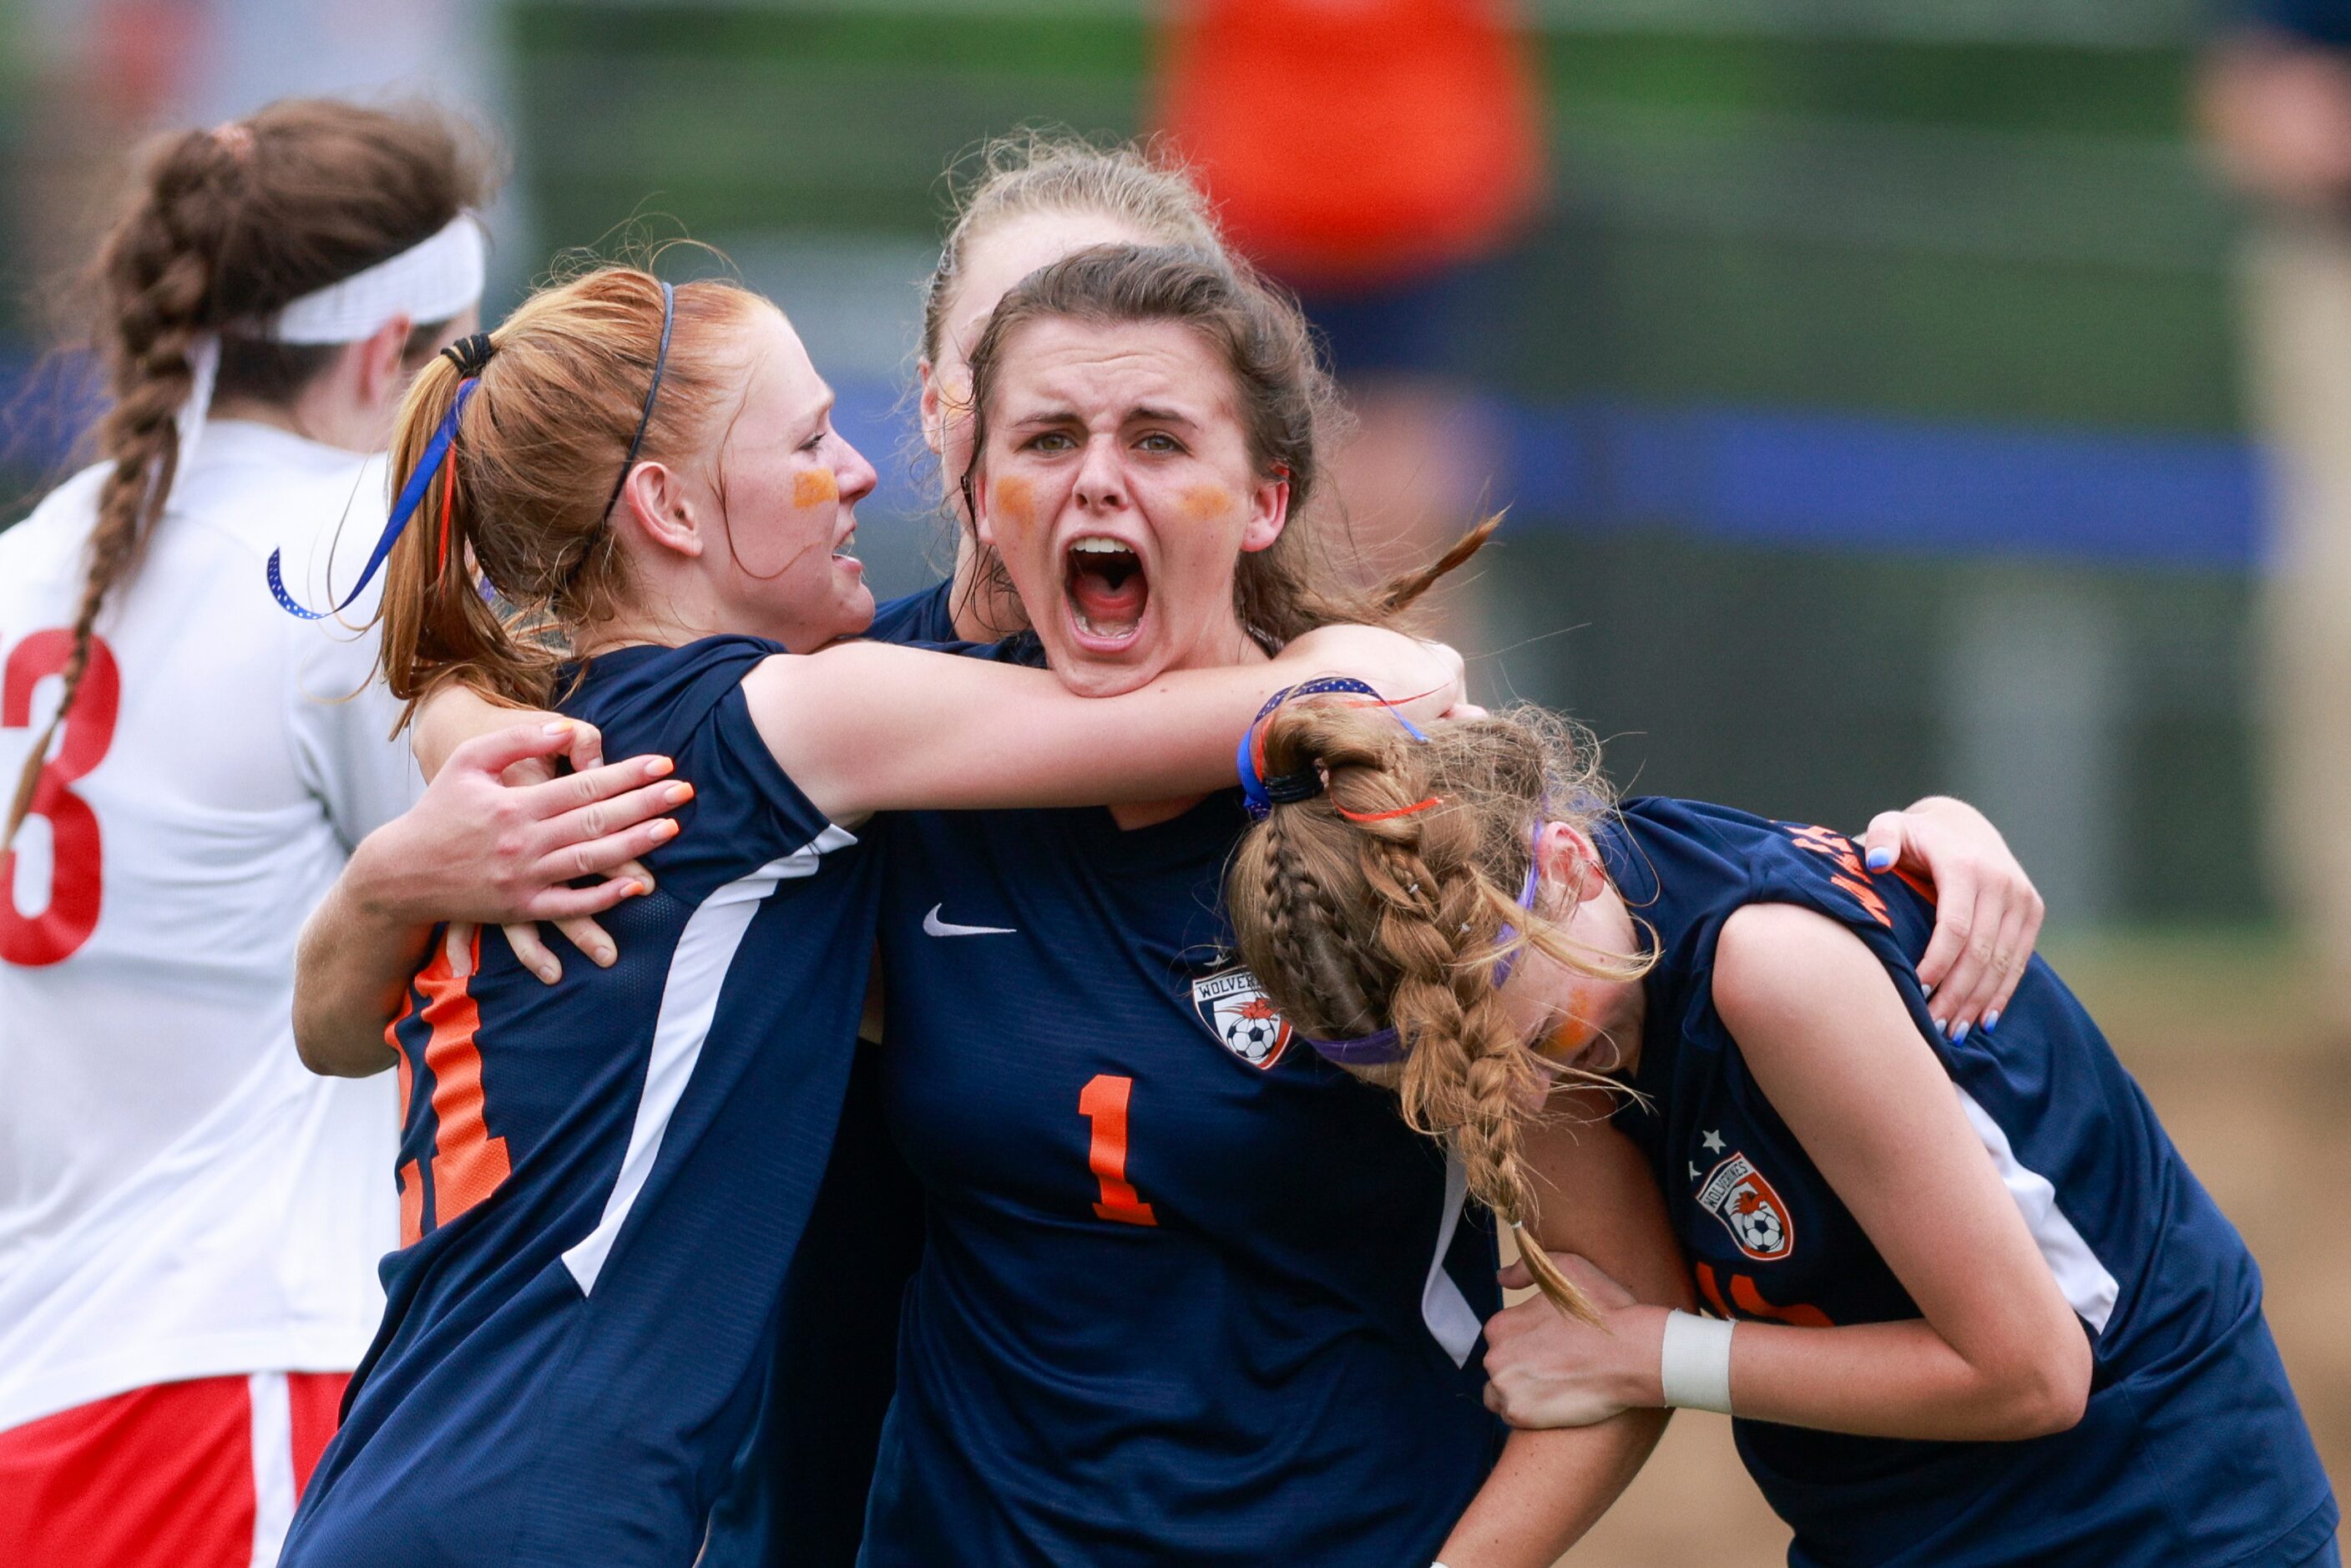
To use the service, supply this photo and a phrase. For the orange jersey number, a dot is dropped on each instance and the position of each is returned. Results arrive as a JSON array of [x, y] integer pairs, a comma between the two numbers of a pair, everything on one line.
[[1103, 1102]]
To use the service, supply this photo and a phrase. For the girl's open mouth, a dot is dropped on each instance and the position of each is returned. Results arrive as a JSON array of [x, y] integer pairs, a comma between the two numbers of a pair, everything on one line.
[[1107, 589]]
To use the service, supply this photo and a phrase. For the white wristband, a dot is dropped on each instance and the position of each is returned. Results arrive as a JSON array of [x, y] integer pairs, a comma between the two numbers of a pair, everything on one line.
[[1695, 1364]]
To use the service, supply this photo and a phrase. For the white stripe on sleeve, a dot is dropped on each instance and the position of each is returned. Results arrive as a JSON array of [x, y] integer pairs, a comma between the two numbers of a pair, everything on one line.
[[706, 951]]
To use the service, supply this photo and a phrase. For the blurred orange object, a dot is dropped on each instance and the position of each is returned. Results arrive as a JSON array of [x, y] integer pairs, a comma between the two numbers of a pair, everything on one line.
[[1356, 141]]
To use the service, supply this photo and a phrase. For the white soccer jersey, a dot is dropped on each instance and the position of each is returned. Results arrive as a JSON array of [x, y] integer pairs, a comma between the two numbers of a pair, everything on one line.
[[179, 1197]]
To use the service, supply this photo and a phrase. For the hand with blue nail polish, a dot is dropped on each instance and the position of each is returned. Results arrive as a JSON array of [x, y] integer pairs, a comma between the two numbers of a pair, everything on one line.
[[1987, 912]]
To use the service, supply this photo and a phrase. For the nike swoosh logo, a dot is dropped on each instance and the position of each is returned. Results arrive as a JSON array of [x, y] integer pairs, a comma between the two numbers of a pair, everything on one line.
[[934, 926]]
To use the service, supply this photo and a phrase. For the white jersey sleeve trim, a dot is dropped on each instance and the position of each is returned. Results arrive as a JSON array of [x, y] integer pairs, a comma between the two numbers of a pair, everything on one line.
[[1446, 1311], [2087, 1285], [698, 971]]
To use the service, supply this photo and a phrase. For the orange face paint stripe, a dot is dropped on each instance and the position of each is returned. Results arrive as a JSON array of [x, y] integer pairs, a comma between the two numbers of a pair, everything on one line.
[[814, 487], [468, 1164], [1014, 498]]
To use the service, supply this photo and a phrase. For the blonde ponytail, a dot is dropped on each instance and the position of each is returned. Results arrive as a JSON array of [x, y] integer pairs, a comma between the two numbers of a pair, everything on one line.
[[1381, 904]]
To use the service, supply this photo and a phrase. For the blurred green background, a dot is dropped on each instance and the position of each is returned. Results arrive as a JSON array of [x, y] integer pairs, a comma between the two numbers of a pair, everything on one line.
[[1876, 222], [1997, 222]]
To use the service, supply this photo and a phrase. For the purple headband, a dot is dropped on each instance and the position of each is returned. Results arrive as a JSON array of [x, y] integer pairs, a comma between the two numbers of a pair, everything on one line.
[[1386, 1046], [1261, 794]]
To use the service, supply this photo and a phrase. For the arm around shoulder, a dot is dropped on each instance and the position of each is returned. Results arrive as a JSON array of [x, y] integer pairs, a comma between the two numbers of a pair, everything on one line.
[[350, 969]]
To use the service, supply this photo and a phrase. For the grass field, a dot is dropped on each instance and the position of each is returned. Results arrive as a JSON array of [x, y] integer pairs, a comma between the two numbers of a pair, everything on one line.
[[2228, 1036]]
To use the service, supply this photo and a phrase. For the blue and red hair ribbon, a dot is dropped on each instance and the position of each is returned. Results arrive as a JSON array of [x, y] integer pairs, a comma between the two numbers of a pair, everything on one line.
[[1261, 794], [412, 495]]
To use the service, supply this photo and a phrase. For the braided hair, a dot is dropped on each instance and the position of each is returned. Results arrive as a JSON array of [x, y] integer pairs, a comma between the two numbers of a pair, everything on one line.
[[1388, 902], [226, 227]]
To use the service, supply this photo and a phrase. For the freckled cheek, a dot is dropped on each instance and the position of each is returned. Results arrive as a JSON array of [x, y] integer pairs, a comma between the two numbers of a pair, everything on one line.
[[814, 487]]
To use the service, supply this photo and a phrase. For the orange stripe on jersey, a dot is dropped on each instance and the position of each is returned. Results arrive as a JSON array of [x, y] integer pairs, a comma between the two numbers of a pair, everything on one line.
[[467, 1162], [1712, 1292], [1918, 884], [400, 1057], [411, 1204], [1852, 875], [1750, 1301]]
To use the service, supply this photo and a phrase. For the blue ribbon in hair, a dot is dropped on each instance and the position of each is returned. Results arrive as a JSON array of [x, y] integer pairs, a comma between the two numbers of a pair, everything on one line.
[[412, 495]]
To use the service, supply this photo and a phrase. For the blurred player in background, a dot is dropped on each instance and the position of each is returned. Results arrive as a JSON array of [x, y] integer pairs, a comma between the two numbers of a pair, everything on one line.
[[1381, 157], [189, 1222], [2276, 101]]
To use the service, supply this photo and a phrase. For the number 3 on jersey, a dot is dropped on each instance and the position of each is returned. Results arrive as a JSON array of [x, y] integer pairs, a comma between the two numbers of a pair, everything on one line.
[[1103, 1102], [71, 914]]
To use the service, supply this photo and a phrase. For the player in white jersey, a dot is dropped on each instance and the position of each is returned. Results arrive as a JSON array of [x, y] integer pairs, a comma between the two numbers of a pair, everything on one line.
[[189, 1220]]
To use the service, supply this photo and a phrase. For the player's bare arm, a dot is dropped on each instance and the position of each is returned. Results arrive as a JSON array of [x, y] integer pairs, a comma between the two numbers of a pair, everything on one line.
[[1998, 1354], [473, 850], [1550, 1485], [868, 726]]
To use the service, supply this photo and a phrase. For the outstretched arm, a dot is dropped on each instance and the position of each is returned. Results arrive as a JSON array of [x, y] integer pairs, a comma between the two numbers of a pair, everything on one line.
[[867, 726], [1550, 1486]]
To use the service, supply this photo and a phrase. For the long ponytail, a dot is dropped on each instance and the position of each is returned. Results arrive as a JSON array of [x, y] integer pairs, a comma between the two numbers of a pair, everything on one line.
[[511, 553], [1389, 901], [227, 227]]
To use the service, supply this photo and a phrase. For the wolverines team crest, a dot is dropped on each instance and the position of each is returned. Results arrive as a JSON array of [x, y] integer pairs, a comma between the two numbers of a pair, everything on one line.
[[1736, 1193], [1237, 1012]]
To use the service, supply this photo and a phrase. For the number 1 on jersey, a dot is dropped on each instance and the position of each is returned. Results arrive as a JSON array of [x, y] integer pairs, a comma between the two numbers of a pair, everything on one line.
[[1103, 1102]]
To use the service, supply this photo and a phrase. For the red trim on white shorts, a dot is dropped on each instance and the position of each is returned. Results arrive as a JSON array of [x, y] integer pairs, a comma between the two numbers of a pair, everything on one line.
[[200, 1474]]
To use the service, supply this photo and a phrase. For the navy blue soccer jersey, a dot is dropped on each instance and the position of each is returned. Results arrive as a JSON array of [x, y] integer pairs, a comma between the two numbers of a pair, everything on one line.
[[602, 1181], [2193, 1450], [924, 617], [1190, 1294]]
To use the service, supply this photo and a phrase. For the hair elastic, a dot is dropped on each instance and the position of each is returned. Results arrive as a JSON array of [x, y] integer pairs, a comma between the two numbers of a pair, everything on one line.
[[412, 495], [470, 353], [652, 394], [1261, 794]]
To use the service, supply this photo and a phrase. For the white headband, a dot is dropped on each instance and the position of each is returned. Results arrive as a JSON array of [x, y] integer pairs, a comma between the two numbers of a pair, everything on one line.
[[430, 281]]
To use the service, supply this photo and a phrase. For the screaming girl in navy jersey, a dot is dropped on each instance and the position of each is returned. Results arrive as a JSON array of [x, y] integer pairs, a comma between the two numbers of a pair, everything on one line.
[[628, 507]]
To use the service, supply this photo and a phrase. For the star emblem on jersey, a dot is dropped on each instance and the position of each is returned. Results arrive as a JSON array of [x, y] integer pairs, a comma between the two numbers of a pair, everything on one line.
[[1240, 1014], [1736, 1193]]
